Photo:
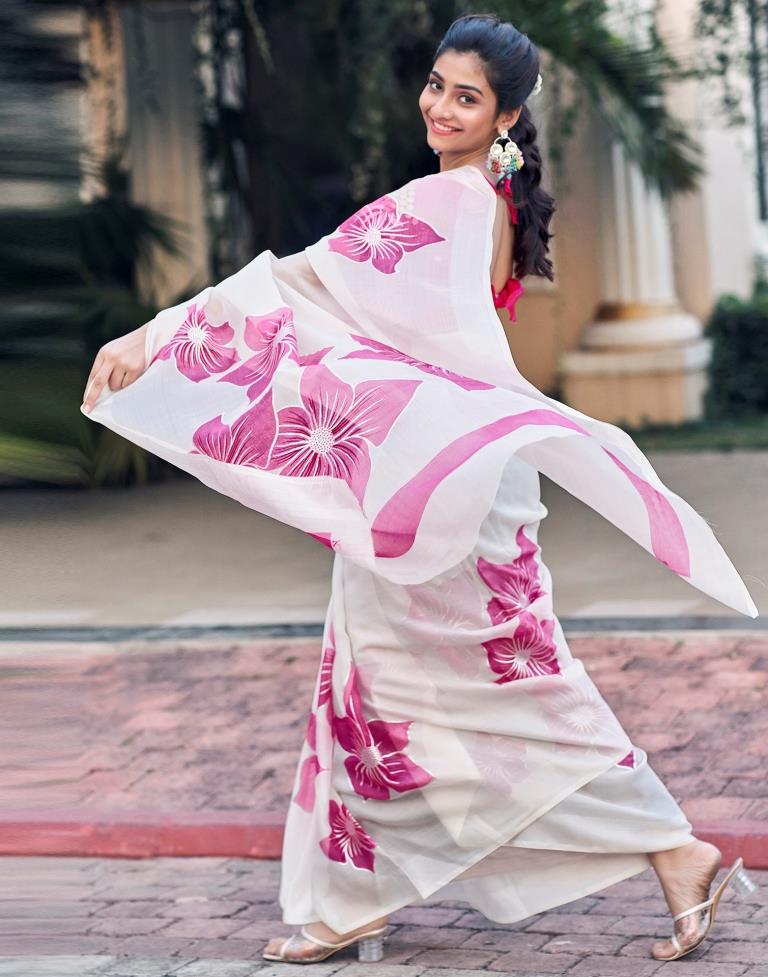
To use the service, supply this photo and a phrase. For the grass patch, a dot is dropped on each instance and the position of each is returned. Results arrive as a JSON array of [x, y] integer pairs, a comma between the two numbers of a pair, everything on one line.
[[747, 433]]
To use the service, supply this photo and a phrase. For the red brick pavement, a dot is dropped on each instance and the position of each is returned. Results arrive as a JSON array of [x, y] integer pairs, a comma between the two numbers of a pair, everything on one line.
[[212, 918], [189, 733]]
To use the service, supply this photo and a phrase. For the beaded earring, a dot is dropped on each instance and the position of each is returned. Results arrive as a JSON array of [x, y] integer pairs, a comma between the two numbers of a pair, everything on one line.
[[504, 155]]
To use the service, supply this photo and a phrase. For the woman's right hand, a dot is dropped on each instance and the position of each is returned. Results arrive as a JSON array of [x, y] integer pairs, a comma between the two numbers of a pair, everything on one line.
[[118, 363]]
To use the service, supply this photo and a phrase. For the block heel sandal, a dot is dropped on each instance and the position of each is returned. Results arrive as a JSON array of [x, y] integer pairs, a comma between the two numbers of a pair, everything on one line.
[[370, 947], [742, 885]]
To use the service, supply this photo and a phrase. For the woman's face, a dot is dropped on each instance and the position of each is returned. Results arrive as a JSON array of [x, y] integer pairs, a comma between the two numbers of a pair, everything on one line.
[[459, 107]]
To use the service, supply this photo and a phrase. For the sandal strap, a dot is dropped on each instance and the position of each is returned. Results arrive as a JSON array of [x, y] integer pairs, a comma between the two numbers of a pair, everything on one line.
[[687, 912], [288, 942], [337, 946], [316, 939]]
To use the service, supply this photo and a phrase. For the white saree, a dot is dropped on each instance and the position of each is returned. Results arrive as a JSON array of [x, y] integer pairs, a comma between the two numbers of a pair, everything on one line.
[[364, 392]]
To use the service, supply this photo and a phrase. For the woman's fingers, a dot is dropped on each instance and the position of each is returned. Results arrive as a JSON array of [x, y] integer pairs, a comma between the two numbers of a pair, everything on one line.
[[95, 386]]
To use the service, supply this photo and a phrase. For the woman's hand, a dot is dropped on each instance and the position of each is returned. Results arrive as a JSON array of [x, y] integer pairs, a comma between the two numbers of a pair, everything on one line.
[[118, 363]]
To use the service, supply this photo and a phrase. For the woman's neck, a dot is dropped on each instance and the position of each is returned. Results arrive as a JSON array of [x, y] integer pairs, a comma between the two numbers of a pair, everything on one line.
[[450, 161]]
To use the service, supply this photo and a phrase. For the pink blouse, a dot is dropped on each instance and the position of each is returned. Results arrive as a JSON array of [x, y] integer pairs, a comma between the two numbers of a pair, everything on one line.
[[513, 289]]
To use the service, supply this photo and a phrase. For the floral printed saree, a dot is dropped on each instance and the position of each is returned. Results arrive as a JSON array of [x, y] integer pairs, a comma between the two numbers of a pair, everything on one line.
[[364, 392]]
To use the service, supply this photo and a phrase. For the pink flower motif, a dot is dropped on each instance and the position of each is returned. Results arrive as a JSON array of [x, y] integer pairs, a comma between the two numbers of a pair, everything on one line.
[[527, 652], [326, 671], [246, 442], [516, 584], [377, 233], [311, 765], [347, 842], [305, 794], [329, 433], [380, 351], [198, 347], [272, 337], [377, 763]]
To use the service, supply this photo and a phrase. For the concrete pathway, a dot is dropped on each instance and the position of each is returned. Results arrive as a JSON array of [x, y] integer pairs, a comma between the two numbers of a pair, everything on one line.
[[180, 553], [213, 917]]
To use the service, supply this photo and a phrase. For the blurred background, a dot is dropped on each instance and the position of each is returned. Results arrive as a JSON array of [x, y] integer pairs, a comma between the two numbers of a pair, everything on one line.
[[151, 147]]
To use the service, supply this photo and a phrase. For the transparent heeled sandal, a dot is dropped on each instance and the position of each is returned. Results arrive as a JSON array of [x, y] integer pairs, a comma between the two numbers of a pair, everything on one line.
[[743, 886], [370, 947]]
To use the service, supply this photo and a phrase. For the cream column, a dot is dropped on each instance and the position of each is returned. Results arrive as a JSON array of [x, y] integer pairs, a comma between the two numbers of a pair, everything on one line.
[[642, 358]]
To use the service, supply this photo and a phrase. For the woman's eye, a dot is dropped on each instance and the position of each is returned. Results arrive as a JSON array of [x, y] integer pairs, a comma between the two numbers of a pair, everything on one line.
[[435, 86]]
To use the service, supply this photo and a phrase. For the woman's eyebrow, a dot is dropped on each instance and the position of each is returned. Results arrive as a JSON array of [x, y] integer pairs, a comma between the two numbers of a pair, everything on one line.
[[470, 87]]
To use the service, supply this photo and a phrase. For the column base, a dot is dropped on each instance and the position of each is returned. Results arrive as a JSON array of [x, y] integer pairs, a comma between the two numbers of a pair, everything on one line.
[[660, 385]]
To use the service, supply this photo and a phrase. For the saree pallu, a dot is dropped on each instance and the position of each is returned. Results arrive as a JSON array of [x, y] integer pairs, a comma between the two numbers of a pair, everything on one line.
[[363, 391]]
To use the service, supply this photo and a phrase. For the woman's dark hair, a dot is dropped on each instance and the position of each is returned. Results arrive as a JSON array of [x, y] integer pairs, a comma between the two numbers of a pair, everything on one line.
[[511, 65]]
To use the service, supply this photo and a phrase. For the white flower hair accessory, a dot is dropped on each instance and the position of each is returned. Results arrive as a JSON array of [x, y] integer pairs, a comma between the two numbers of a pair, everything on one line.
[[537, 86]]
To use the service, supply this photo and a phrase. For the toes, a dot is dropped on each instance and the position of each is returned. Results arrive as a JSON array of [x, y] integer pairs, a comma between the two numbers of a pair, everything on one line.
[[663, 950], [274, 944]]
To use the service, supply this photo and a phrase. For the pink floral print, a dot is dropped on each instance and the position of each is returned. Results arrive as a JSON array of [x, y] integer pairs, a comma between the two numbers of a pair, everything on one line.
[[325, 684], [379, 234], [330, 432], [516, 585], [199, 348], [309, 769], [526, 653], [374, 350], [305, 794], [529, 650], [347, 841], [311, 765], [377, 763], [245, 442], [325, 538], [272, 337]]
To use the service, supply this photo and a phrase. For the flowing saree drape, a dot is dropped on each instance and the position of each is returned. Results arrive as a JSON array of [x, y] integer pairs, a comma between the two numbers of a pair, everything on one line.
[[364, 392]]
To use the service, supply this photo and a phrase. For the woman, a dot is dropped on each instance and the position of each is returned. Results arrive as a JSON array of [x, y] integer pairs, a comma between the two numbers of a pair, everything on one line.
[[363, 391]]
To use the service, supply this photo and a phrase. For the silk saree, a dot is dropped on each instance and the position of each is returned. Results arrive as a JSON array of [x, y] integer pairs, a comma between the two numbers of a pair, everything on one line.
[[363, 391]]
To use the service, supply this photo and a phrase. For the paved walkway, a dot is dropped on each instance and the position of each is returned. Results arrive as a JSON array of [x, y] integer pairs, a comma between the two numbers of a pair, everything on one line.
[[206, 726], [179, 553], [212, 918]]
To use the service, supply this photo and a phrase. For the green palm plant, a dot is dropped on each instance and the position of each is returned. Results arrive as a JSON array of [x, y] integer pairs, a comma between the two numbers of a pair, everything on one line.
[[70, 286]]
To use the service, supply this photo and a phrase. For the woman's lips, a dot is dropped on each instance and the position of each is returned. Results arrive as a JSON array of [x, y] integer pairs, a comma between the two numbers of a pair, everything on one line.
[[441, 132]]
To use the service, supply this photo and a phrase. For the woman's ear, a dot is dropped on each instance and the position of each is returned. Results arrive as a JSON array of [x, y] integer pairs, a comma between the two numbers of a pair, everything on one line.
[[508, 120]]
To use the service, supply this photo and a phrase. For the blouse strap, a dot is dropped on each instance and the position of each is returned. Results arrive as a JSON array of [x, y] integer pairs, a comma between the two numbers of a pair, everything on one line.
[[510, 206]]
